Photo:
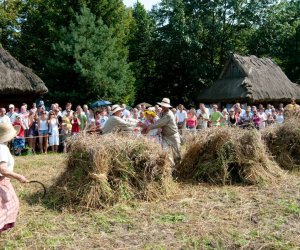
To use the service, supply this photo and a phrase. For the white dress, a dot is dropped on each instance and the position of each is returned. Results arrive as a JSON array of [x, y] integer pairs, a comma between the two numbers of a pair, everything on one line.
[[53, 128]]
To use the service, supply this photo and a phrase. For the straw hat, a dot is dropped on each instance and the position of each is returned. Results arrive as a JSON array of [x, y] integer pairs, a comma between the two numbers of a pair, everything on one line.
[[115, 108], [165, 103], [7, 131]]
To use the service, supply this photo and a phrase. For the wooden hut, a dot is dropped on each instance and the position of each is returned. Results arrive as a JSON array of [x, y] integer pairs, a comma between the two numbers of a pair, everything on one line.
[[253, 80], [18, 83]]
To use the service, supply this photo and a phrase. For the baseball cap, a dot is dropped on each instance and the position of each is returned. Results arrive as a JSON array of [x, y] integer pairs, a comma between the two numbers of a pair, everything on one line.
[[11, 106]]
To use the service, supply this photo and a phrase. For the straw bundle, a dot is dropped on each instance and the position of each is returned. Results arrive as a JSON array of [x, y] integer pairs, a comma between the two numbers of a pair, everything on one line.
[[283, 141], [227, 155], [103, 170]]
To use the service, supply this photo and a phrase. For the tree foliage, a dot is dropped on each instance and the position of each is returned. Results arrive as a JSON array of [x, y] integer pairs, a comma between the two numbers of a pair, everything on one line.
[[81, 48], [88, 59]]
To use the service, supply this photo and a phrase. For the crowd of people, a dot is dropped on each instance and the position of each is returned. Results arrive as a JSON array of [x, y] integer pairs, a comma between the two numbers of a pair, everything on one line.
[[162, 123], [41, 129]]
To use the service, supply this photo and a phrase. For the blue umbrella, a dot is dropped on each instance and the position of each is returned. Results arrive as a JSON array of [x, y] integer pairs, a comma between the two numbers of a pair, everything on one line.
[[100, 103]]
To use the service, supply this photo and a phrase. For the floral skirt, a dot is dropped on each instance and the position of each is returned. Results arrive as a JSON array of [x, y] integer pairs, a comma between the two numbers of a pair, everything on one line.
[[9, 204]]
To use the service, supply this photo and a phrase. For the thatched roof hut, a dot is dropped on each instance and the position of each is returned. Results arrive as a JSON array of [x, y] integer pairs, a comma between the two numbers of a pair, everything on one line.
[[253, 80], [18, 83]]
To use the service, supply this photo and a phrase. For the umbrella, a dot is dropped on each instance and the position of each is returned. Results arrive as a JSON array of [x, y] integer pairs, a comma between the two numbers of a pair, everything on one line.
[[100, 103], [146, 104]]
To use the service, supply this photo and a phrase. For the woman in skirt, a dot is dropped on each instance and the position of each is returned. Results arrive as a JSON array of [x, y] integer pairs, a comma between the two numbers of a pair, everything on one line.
[[9, 203]]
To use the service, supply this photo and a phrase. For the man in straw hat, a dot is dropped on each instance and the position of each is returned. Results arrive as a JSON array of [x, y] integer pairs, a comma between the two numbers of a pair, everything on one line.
[[9, 203], [115, 121], [170, 135]]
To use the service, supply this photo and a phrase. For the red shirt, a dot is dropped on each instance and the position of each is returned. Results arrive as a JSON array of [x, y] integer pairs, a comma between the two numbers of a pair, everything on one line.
[[22, 131], [75, 126]]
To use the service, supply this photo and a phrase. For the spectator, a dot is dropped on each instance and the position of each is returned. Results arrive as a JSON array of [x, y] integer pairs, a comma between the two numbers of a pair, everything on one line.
[[203, 117], [280, 116], [256, 118], [75, 124], [263, 118], [53, 131], [126, 113], [12, 115], [43, 132], [81, 116], [191, 121], [68, 107], [3, 117], [181, 117], [33, 131], [270, 119], [33, 108], [19, 141], [232, 121], [216, 116], [224, 119]]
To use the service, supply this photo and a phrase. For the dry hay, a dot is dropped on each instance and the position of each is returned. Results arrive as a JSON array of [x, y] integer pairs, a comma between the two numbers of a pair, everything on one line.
[[103, 170], [283, 142], [228, 155]]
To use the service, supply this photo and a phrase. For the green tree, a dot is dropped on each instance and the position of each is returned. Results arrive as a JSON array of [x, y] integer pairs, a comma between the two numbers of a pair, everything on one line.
[[40, 27], [140, 52], [284, 44], [88, 64], [9, 25]]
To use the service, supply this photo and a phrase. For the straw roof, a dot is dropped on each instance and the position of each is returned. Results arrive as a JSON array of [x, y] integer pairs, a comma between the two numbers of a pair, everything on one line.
[[15, 78], [251, 79]]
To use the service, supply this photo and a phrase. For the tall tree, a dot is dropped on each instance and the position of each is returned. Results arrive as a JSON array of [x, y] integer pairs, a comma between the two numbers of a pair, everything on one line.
[[88, 63], [42, 21], [9, 25], [140, 52], [284, 44]]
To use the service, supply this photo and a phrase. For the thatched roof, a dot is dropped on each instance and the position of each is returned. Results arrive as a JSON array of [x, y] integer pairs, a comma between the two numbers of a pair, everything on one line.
[[15, 78], [251, 79]]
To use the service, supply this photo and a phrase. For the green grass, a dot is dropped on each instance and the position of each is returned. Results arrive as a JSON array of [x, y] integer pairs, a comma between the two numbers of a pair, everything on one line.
[[195, 217]]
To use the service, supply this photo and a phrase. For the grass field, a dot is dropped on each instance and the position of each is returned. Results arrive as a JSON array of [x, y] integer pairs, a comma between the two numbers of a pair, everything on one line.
[[197, 216]]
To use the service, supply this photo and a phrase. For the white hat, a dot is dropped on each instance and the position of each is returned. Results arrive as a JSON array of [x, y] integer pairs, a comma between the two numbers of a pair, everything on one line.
[[8, 131], [115, 108], [165, 103], [11, 106]]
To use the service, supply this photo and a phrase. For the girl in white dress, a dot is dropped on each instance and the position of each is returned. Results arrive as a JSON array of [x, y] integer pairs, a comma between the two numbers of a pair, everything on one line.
[[9, 203], [53, 131]]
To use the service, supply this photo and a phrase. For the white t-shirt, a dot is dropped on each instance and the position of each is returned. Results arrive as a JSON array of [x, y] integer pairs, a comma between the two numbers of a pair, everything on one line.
[[5, 156], [103, 120], [126, 113], [181, 115], [199, 112], [12, 116], [4, 119]]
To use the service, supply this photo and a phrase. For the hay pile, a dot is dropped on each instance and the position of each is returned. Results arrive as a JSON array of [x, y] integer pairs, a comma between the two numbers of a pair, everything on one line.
[[103, 170], [283, 142], [228, 155]]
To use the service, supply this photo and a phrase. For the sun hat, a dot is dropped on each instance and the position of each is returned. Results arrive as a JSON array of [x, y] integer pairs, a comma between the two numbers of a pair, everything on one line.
[[165, 103], [8, 131], [115, 108]]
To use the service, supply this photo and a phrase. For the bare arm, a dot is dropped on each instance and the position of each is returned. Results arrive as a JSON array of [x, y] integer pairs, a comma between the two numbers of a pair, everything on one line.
[[10, 174]]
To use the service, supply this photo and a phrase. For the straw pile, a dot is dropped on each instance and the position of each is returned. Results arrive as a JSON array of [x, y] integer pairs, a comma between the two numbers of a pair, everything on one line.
[[103, 170], [228, 155], [283, 142]]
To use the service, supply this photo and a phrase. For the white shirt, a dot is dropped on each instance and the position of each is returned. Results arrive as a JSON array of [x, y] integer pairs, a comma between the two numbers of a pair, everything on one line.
[[126, 113], [5, 156], [181, 115], [199, 112], [4, 119], [12, 116]]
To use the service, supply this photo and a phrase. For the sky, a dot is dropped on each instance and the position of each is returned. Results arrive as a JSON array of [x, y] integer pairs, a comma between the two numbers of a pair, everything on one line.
[[147, 3]]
